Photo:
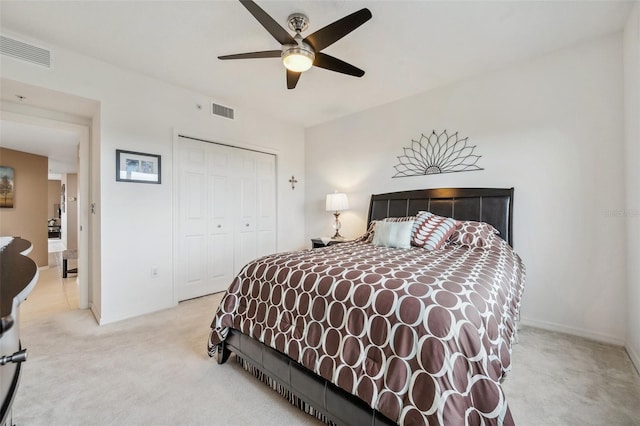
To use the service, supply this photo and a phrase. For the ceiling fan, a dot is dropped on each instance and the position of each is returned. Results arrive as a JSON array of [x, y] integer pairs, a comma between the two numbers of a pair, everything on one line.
[[298, 54]]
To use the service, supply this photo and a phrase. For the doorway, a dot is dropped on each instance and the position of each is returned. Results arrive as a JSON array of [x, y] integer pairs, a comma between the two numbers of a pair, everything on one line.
[[51, 287]]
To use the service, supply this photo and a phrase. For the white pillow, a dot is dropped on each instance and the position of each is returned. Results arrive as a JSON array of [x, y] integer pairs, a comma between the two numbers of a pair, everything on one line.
[[393, 234]]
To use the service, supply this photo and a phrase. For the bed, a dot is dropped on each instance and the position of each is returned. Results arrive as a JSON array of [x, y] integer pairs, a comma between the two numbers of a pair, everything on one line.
[[357, 333]]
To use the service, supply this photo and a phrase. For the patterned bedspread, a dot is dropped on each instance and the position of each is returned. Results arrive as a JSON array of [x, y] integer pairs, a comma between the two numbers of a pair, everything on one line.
[[422, 336]]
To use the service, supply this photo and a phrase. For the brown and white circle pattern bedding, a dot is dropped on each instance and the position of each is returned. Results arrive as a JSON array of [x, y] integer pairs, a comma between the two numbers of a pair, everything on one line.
[[422, 336]]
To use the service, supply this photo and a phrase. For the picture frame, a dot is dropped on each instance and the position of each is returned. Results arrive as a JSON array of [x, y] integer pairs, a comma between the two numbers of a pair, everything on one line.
[[7, 187], [138, 167]]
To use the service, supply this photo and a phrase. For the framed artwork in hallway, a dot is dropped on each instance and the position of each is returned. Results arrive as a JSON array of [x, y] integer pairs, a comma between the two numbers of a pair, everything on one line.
[[7, 187]]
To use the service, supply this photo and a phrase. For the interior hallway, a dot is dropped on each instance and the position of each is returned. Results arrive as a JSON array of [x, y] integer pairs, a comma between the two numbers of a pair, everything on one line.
[[52, 293]]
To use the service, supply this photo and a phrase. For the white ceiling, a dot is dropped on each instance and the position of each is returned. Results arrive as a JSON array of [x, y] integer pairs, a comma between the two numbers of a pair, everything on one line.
[[407, 47], [59, 145], [54, 134]]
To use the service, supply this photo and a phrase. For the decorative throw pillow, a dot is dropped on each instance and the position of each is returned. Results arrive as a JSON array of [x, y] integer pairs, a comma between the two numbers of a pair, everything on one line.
[[393, 234], [431, 231], [399, 219], [473, 234], [368, 236]]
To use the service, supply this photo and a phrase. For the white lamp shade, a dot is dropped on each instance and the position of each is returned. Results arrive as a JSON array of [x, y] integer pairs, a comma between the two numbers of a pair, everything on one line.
[[337, 202]]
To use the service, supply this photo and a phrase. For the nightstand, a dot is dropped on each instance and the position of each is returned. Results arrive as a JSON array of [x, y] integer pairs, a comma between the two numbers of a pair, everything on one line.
[[318, 242]]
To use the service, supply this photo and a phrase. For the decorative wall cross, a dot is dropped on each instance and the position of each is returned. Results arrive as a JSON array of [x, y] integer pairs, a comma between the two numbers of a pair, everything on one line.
[[293, 182]]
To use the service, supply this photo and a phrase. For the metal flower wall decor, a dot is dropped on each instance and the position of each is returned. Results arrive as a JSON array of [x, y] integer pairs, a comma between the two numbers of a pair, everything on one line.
[[437, 153]]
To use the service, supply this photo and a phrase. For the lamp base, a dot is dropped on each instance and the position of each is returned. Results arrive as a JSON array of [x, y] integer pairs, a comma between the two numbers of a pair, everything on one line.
[[336, 226]]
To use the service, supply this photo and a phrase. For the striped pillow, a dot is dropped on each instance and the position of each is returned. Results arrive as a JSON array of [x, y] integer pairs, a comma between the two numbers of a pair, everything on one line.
[[431, 231]]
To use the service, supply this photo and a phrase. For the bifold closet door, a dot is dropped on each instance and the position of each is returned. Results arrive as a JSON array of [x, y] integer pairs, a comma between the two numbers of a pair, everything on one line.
[[205, 257], [266, 205], [255, 183], [220, 212], [226, 212]]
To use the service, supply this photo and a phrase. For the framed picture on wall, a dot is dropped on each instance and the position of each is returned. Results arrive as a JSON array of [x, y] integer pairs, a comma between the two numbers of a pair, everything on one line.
[[7, 187], [137, 167]]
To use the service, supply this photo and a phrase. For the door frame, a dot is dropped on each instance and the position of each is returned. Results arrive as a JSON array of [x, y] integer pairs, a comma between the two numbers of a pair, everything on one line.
[[84, 184]]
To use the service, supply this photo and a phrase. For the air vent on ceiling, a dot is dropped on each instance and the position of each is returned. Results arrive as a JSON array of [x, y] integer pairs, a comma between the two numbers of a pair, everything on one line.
[[221, 110], [26, 52]]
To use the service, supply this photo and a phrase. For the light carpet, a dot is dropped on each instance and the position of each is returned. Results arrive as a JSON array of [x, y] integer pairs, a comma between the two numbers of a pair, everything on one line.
[[154, 370]]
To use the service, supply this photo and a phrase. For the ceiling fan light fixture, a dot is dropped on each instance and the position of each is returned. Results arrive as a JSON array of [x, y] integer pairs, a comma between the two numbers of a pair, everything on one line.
[[298, 59], [298, 54]]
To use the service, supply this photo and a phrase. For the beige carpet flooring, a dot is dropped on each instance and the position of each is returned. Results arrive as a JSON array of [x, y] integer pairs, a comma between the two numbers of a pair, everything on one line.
[[154, 370], [559, 379], [52, 294]]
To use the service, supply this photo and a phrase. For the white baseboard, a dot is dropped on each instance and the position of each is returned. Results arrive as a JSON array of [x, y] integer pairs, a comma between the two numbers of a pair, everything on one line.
[[575, 331], [43, 268], [96, 313], [634, 356]]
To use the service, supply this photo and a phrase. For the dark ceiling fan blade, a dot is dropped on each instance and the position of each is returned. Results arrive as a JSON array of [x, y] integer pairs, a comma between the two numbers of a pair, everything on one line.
[[268, 23], [333, 32], [254, 55], [292, 79], [334, 64]]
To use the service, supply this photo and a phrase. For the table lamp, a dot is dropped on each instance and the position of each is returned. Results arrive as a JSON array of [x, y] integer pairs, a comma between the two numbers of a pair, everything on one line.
[[336, 203]]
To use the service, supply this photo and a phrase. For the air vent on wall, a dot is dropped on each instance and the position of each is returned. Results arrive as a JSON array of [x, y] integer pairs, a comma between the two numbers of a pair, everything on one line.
[[221, 110], [26, 52]]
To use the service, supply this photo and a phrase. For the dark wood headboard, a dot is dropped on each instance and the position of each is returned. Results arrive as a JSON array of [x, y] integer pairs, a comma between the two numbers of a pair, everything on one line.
[[491, 205]]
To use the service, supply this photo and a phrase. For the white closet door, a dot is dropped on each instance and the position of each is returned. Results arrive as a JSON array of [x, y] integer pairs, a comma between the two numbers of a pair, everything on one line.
[[192, 200], [245, 247], [220, 269], [226, 211], [266, 209]]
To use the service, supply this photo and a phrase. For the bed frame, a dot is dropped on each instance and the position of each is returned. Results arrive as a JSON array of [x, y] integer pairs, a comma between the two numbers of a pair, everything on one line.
[[316, 395], [490, 205]]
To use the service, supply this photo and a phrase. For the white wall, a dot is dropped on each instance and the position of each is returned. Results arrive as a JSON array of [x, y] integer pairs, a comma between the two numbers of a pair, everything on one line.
[[632, 156], [139, 113], [72, 210], [552, 128]]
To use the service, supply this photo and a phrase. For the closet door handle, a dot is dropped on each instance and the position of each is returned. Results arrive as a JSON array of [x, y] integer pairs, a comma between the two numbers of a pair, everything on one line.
[[219, 226], [247, 225]]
